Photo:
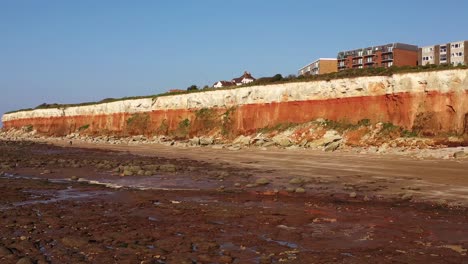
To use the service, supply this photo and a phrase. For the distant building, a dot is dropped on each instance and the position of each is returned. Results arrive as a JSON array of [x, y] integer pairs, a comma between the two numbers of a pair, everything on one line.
[[320, 66], [394, 54], [449, 53], [244, 79], [220, 84]]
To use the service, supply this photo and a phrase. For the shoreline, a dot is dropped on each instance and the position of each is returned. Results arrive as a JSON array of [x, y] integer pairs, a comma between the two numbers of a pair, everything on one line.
[[242, 208]]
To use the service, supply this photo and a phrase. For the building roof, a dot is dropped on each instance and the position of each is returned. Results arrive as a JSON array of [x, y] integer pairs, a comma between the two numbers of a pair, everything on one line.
[[224, 83], [246, 75], [395, 45]]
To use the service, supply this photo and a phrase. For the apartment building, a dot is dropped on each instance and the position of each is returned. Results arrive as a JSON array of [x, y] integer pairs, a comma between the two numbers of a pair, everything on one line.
[[320, 66], [449, 53], [393, 54]]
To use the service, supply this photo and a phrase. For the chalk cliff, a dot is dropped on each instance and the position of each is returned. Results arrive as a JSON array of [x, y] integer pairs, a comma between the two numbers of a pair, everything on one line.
[[429, 102]]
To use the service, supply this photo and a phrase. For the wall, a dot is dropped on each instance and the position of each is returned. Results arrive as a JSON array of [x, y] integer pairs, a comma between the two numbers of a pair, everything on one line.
[[432, 102]]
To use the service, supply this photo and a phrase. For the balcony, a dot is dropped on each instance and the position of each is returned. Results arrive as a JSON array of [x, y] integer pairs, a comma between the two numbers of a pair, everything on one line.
[[387, 58], [369, 62], [387, 50]]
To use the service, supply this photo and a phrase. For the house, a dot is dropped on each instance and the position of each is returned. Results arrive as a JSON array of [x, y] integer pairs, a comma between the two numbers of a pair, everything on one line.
[[320, 66], [244, 79], [448, 53], [220, 84], [393, 54]]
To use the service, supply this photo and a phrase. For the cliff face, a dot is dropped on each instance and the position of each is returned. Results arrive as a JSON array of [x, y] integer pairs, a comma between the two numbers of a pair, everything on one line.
[[430, 102]]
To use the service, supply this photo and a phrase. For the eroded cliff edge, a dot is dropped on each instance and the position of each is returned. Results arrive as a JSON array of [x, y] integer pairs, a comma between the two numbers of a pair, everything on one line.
[[428, 102]]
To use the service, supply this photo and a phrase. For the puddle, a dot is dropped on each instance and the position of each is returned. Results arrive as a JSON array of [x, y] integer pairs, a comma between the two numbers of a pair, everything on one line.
[[280, 242]]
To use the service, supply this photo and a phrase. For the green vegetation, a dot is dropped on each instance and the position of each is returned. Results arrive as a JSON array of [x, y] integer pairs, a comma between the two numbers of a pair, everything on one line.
[[138, 122], [192, 87], [163, 128], [81, 128], [206, 119], [227, 122], [279, 127], [341, 126], [278, 79], [408, 133], [183, 129], [28, 128]]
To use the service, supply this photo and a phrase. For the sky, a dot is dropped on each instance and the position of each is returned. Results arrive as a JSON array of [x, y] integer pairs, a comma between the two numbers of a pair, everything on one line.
[[64, 51]]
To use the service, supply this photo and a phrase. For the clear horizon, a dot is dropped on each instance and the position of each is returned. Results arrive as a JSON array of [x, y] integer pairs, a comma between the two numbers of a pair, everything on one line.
[[72, 52]]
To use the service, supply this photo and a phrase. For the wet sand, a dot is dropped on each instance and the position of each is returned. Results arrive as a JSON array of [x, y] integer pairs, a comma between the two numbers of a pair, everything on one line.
[[205, 212]]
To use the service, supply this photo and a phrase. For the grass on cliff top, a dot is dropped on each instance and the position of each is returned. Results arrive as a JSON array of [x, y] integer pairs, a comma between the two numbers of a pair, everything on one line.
[[277, 79]]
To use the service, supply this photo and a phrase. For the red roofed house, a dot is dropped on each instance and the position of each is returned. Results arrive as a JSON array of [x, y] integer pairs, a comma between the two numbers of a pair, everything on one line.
[[244, 79], [220, 84]]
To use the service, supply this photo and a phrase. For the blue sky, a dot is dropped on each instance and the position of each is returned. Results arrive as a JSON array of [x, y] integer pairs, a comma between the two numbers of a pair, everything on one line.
[[63, 51]]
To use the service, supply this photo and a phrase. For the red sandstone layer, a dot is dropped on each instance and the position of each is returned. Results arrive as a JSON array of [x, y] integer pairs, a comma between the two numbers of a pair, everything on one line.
[[431, 112]]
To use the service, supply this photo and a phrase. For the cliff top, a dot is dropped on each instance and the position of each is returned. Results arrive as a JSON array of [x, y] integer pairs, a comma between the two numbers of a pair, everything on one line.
[[277, 79]]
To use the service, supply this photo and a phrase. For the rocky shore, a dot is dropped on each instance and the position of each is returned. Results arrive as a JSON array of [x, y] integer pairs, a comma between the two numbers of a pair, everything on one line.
[[325, 135], [82, 205]]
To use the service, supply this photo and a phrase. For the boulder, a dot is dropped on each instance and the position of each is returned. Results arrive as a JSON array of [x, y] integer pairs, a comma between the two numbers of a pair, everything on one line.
[[194, 141], [460, 154], [332, 146], [168, 168], [262, 181], [282, 141], [205, 141], [242, 140]]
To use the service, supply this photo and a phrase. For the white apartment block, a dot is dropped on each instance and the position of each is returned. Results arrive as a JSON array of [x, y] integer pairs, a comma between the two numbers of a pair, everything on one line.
[[454, 53]]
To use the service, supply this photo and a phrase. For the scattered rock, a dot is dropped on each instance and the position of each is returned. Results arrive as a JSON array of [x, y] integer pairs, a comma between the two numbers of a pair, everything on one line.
[[4, 251], [242, 140], [282, 141], [268, 144], [353, 195], [168, 168], [300, 190], [205, 141], [74, 242], [195, 141], [296, 180], [332, 146], [25, 260], [407, 196], [459, 154], [234, 147], [127, 173], [262, 181]]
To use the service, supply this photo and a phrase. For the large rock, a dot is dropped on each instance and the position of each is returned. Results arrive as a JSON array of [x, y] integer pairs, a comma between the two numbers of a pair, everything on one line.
[[332, 146], [329, 137], [194, 141], [242, 140], [460, 154], [205, 141], [282, 140]]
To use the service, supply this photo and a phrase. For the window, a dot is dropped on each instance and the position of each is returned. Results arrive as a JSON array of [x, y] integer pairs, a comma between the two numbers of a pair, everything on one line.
[[390, 64]]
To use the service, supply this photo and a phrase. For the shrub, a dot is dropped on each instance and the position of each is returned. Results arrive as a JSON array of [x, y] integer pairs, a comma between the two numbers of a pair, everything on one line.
[[81, 128]]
